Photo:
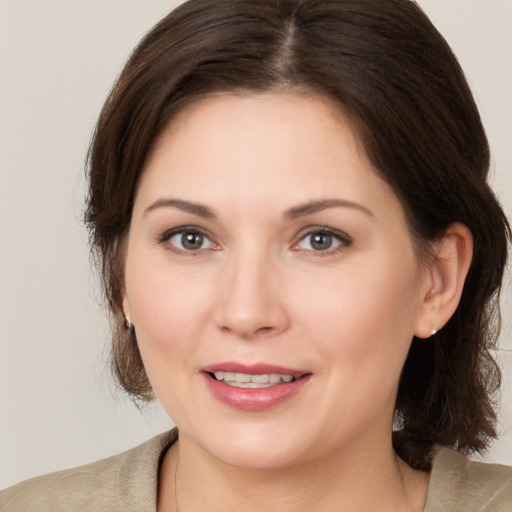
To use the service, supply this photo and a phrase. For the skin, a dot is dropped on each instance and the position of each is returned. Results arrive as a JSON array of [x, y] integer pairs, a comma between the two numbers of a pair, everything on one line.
[[257, 290]]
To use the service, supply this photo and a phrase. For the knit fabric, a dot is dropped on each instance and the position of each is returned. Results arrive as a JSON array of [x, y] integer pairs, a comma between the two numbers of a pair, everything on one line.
[[129, 482], [460, 485]]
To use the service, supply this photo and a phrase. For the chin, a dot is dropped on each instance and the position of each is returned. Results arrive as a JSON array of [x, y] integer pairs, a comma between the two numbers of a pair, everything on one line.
[[255, 446]]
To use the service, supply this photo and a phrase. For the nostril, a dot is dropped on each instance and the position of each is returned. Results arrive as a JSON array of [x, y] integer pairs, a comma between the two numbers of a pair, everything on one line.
[[250, 320], [265, 329], [246, 332]]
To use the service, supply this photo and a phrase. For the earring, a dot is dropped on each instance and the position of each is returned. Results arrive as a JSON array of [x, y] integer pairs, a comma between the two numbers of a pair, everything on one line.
[[433, 330], [129, 324]]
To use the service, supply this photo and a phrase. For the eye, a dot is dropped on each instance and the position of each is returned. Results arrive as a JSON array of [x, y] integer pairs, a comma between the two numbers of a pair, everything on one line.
[[323, 240], [188, 240]]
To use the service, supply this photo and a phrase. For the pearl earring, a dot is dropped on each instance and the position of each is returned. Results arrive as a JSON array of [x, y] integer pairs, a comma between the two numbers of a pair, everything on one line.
[[433, 330], [129, 324]]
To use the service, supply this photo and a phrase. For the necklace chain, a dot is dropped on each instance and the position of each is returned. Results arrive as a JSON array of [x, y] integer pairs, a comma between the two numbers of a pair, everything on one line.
[[175, 487]]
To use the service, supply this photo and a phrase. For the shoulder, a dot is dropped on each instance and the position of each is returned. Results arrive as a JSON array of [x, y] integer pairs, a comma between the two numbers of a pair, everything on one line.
[[65, 490], [130, 477], [457, 483]]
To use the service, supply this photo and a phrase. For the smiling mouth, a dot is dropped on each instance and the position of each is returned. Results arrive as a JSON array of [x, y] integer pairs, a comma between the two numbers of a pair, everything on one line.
[[253, 381], [254, 387]]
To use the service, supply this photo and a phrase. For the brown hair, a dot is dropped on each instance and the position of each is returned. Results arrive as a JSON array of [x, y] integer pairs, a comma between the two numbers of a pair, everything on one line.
[[396, 75]]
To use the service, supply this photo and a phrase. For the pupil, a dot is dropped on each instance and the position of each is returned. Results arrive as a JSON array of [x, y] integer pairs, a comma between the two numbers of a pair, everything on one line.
[[192, 241], [321, 241]]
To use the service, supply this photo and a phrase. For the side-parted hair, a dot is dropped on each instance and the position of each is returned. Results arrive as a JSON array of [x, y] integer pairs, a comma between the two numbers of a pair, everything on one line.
[[393, 73]]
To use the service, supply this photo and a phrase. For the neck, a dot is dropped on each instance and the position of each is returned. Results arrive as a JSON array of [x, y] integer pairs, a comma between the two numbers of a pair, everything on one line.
[[359, 479]]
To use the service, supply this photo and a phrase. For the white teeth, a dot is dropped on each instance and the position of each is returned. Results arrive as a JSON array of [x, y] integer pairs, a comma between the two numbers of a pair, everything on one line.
[[245, 380], [274, 378], [247, 385], [260, 379]]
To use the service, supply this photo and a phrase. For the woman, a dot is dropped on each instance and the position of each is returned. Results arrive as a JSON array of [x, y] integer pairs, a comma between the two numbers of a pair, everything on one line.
[[289, 207]]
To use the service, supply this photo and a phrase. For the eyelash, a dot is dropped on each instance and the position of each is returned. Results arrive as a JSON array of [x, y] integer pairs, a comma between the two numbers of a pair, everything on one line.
[[343, 238], [166, 237]]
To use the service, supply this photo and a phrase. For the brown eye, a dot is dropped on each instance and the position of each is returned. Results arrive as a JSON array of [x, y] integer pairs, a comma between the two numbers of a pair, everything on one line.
[[324, 240], [189, 240], [192, 241], [321, 241]]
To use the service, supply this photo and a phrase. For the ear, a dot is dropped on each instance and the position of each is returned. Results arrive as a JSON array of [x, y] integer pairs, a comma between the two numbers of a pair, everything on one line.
[[444, 280]]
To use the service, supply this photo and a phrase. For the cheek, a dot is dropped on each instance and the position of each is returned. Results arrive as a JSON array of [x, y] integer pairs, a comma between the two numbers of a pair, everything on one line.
[[364, 318], [168, 309]]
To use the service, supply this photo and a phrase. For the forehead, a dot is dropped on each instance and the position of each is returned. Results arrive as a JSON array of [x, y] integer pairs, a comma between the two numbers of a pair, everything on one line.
[[270, 140]]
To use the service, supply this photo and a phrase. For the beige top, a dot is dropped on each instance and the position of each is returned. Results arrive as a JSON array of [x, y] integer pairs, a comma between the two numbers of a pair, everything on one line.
[[128, 483]]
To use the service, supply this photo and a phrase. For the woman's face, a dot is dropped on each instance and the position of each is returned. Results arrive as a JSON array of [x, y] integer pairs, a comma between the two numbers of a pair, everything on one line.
[[262, 249]]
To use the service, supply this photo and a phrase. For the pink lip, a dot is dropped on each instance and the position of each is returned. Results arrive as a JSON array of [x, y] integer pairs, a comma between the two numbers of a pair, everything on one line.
[[253, 369], [254, 399]]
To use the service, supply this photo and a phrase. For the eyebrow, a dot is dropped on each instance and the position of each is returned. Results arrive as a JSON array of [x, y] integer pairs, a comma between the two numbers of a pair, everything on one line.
[[194, 208], [317, 206], [291, 214]]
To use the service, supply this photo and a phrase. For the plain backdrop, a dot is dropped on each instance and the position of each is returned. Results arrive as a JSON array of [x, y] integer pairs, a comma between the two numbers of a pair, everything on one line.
[[58, 59]]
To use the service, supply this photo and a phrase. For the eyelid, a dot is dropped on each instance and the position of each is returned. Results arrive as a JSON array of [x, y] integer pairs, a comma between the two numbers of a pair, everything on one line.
[[345, 239], [168, 234]]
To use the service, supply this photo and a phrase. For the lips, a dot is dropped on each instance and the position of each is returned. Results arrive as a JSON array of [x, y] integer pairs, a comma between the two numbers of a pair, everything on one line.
[[253, 387]]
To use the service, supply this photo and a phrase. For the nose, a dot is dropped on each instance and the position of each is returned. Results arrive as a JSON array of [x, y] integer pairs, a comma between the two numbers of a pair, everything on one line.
[[250, 301]]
